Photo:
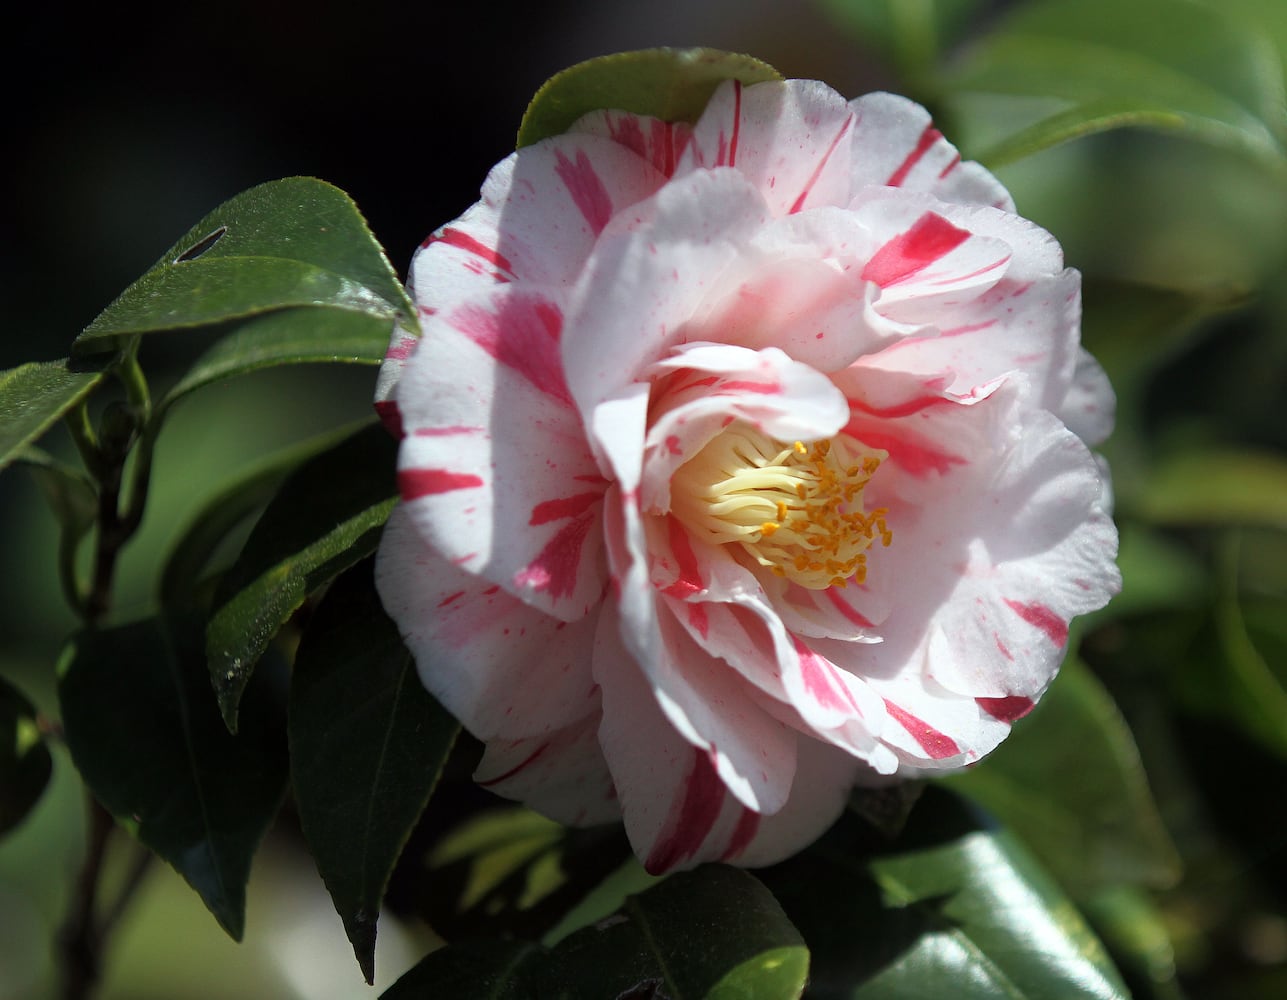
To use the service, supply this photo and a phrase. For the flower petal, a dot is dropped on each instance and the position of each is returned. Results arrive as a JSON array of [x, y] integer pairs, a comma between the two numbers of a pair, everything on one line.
[[791, 139], [561, 774], [522, 507], [504, 669], [659, 143], [896, 145]]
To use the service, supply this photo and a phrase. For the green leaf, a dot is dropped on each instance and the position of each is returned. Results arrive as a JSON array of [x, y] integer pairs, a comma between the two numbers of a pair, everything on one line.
[[910, 32], [481, 970], [1069, 782], [70, 493], [953, 909], [1080, 66], [367, 745], [1218, 487], [33, 396], [210, 528], [326, 517], [712, 932], [25, 764], [145, 734], [299, 335], [509, 870], [292, 242], [715, 933], [670, 84]]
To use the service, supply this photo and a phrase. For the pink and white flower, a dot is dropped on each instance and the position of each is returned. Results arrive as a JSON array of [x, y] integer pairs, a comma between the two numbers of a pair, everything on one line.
[[741, 461]]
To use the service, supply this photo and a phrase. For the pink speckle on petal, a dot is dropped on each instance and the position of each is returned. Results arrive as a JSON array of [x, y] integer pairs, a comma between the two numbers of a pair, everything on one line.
[[402, 349], [672, 444], [416, 483], [1041, 617], [937, 745], [451, 599]]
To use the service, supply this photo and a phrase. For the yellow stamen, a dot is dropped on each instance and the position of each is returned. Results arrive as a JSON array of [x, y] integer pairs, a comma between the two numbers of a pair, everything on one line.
[[794, 508]]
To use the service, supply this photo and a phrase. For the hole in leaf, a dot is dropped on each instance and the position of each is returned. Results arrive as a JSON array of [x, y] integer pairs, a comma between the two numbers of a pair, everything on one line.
[[197, 249]]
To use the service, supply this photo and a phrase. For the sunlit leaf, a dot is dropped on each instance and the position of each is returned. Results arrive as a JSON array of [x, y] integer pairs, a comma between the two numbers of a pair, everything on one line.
[[670, 84], [953, 909], [298, 335], [287, 243], [326, 517], [34, 396], [1069, 782], [1075, 67], [367, 745], [144, 731], [25, 764]]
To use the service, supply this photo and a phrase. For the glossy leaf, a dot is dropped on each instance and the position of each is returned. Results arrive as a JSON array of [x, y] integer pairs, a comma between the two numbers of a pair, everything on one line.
[[299, 335], [1171, 65], [144, 732], [715, 932], [326, 517], [25, 764], [292, 242], [1070, 783], [506, 869], [34, 396], [954, 909], [481, 970], [210, 527], [670, 84], [367, 745]]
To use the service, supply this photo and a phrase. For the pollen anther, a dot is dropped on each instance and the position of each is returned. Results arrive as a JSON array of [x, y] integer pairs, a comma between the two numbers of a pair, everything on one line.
[[794, 508]]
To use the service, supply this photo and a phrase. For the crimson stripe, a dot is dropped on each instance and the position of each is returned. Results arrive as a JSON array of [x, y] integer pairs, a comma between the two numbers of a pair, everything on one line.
[[556, 510], [817, 170], [463, 241], [924, 144], [937, 745], [1041, 617], [586, 188], [516, 768], [688, 826], [930, 238], [416, 483], [1006, 709]]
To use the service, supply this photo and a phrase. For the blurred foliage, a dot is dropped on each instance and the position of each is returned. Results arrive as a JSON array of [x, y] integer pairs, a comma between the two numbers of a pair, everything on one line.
[[1141, 806]]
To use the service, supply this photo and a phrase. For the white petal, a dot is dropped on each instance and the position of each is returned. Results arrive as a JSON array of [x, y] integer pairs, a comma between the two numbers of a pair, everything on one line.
[[494, 469], [790, 139], [504, 669]]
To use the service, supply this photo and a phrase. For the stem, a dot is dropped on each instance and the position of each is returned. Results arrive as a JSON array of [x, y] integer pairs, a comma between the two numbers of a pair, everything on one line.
[[83, 937], [80, 942]]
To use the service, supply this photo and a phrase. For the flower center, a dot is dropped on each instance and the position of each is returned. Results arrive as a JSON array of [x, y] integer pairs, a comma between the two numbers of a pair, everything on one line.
[[795, 508]]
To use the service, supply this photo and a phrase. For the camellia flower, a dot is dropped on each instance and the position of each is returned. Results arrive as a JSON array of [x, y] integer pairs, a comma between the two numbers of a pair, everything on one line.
[[741, 461]]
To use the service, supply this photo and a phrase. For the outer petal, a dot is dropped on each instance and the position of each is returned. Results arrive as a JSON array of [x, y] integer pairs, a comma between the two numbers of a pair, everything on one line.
[[1090, 407], [536, 223], [659, 143], [505, 670], [495, 470], [999, 539], [791, 139], [896, 145], [561, 774]]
